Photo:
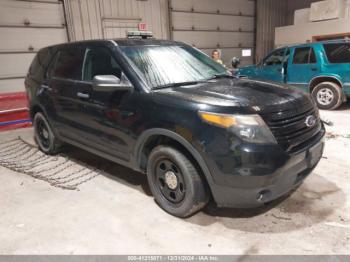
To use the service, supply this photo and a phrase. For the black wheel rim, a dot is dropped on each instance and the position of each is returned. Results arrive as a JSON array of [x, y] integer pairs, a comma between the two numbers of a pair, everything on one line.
[[169, 181], [43, 133]]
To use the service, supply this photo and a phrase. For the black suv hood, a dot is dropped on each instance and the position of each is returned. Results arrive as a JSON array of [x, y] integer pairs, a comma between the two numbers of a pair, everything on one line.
[[251, 94]]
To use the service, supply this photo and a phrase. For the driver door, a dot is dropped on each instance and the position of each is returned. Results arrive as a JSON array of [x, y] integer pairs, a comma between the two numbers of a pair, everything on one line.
[[273, 66], [104, 111]]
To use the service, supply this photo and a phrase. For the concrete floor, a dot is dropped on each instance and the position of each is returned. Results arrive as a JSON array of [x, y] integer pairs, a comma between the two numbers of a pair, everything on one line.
[[115, 213]]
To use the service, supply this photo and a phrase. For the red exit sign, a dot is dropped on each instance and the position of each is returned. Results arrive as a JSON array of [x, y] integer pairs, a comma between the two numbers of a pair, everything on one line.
[[142, 27]]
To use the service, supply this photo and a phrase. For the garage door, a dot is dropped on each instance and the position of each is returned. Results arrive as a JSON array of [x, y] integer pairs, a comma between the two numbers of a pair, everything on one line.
[[108, 19], [25, 27], [227, 25]]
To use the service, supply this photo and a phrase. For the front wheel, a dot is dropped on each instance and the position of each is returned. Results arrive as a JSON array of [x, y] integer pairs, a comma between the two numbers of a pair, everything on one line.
[[328, 95], [175, 182]]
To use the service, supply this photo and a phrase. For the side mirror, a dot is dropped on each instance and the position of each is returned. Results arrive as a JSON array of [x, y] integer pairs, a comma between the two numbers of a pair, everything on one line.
[[108, 83], [235, 62]]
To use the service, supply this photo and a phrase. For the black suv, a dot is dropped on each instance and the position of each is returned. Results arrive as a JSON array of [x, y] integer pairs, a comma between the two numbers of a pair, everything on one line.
[[166, 109]]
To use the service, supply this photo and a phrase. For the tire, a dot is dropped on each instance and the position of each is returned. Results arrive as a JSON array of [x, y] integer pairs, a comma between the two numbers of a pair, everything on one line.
[[175, 183], [44, 135], [328, 95]]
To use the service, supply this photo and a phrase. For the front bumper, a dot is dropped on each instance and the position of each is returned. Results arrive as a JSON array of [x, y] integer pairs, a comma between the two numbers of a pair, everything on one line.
[[253, 190]]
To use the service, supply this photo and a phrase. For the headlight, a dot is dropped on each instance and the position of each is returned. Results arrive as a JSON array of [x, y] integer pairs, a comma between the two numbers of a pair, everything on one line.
[[250, 128]]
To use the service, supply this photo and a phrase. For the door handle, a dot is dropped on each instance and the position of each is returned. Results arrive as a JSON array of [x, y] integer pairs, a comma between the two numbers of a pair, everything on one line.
[[313, 68], [126, 113], [83, 95], [46, 87]]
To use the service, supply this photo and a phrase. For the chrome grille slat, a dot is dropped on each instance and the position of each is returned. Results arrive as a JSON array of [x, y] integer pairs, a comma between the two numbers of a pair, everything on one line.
[[290, 120], [289, 127]]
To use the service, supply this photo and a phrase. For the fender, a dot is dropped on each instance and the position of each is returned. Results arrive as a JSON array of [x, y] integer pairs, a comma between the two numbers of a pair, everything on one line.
[[333, 76], [42, 109], [165, 132]]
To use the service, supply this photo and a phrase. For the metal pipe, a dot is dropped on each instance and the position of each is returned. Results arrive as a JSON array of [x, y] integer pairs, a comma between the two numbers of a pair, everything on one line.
[[121, 18], [32, 26], [212, 13], [213, 30], [115, 26], [2, 52], [170, 21], [255, 30], [39, 1], [65, 19], [11, 77]]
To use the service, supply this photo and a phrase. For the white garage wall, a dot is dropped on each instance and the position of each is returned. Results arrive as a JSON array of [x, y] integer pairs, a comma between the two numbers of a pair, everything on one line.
[[25, 27], [106, 19], [227, 25]]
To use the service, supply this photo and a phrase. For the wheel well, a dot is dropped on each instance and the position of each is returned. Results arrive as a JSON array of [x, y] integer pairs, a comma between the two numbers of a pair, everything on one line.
[[35, 109], [157, 140], [319, 80]]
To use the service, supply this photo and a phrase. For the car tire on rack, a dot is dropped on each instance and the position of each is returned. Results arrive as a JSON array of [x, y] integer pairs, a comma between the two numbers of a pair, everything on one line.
[[44, 135], [175, 182], [328, 95]]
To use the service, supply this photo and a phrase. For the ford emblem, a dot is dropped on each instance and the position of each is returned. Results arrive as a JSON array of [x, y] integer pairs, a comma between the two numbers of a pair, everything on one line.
[[310, 121]]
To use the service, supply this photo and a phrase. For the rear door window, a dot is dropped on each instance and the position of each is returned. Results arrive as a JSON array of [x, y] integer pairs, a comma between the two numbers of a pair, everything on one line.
[[338, 53], [68, 63], [304, 55]]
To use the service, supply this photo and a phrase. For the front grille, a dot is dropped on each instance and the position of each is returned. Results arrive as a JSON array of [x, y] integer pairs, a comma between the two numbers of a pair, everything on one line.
[[289, 127]]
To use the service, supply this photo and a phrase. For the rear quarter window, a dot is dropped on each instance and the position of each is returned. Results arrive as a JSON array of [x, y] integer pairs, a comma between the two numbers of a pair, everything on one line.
[[39, 64], [338, 53]]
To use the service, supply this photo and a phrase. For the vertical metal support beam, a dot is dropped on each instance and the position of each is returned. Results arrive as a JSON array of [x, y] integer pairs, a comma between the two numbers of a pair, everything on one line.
[[65, 19], [170, 21], [255, 30]]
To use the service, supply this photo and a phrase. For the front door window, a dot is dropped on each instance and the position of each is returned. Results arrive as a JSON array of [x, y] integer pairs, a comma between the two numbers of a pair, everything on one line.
[[272, 68]]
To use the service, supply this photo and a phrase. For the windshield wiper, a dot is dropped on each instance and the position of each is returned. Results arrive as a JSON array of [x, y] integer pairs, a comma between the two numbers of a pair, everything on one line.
[[219, 76], [189, 83]]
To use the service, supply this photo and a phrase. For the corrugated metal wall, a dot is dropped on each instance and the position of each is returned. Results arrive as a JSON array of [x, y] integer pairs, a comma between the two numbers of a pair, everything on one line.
[[96, 19], [227, 25], [272, 14], [25, 27]]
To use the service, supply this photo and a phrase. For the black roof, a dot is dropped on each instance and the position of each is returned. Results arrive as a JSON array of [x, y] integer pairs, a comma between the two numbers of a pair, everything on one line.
[[124, 42], [148, 41]]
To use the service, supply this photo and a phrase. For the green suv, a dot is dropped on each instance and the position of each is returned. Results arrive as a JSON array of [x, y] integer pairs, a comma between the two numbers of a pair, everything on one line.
[[321, 68]]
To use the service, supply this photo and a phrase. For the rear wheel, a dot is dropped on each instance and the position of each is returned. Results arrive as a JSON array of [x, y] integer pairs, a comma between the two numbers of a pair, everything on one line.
[[328, 95], [44, 136], [175, 182]]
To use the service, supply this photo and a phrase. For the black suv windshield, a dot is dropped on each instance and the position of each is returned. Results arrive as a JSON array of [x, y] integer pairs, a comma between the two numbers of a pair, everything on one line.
[[164, 66]]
